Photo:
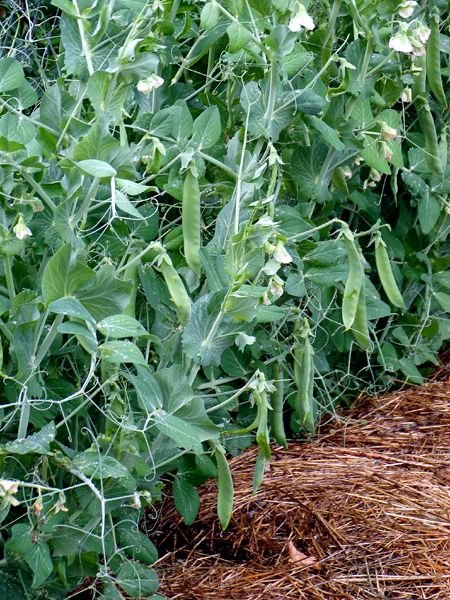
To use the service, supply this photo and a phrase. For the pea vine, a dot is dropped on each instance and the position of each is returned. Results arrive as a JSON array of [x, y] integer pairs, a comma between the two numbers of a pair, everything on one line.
[[218, 222]]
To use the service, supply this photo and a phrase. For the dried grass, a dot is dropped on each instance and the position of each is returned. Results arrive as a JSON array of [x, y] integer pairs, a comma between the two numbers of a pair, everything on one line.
[[362, 512]]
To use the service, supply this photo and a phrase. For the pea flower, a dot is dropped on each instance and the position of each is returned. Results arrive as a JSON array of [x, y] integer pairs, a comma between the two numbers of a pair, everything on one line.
[[149, 84], [387, 152], [281, 255], [21, 230], [401, 43], [406, 9], [422, 32], [301, 19], [406, 95], [388, 132], [8, 489]]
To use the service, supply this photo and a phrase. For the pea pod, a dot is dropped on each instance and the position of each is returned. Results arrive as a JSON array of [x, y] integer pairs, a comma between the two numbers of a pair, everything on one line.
[[191, 221], [304, 379], [262, 433], [175, 286], [173, 240], [354, 281], [131, 274], [386, 275], [360, 327], [428, 128], [276, 401], [433, 55], [225, 486], [258, 473]]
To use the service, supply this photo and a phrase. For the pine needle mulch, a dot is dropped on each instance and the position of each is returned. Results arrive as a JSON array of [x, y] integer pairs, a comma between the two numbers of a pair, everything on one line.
[[362, 512]]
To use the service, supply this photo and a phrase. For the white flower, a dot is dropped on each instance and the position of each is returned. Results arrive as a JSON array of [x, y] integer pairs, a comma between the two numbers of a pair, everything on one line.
[[21, 230], [406, 95], [347, 172], [242, 340], [149, 84], [401, 43], [406, 9], [422, 33], [301, 19], [281, 255], [388, 132], [8, 489]]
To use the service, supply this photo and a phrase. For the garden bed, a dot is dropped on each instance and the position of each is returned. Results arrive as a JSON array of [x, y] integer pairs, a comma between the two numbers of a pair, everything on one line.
[[361, 512]]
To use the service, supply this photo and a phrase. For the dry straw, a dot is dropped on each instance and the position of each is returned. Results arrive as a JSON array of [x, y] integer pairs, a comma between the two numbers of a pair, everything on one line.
[[363, 512]]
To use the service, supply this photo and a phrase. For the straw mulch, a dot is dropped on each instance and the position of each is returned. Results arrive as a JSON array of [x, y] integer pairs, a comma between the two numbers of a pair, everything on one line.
[[363, 512]]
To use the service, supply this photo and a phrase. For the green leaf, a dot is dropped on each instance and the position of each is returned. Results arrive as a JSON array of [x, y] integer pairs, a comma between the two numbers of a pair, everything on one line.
[[96, 168], [37, 443], [210, 15], [429, 211], [70, 307], [11, 74], [184, 434], [64, 274], [147, 388], [329, 135], [443, 299], [136, 579], [136, 544], [96, 465], [17, 129], [207, 128], [66, 6], [197, 340], [124, 205], [102, 98], [239, 36], [122, 352], [372, 155], [186, 499], [311, 168], [90, 343], [35, 553], [121, 326]]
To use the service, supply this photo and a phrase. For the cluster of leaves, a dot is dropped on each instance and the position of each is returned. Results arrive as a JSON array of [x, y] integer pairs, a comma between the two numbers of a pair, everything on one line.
[[185, 189]]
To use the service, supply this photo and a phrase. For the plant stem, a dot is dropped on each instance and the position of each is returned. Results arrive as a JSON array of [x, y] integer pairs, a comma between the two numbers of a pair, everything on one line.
[[84, 43], [49, 339], [37, 188], [9, 278]]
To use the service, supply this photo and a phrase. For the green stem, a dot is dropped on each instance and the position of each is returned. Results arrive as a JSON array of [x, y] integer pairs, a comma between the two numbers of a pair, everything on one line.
[[9, 278], [84, 43], [49, 339], [6, 332], [217, 163], [81, 212], [38, 189], [24, 415]]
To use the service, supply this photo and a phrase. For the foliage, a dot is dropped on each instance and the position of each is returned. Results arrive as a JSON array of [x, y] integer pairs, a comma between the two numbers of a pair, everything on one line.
[[207, 209]]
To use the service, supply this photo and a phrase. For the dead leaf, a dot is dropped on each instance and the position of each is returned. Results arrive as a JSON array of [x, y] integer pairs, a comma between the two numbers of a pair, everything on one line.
[[298, 558]]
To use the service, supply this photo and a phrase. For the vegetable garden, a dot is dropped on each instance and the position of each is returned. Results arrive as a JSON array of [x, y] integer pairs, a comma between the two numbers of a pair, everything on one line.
[[219, 222]]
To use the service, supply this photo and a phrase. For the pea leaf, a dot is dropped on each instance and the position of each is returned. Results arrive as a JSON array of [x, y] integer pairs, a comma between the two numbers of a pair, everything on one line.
[[96, 465], [207, 128], [11, 74], [238, 35], [37, 443], [122, 352], [136, 579], [96, 168], [135, 544], [121, 326], [186, 499]]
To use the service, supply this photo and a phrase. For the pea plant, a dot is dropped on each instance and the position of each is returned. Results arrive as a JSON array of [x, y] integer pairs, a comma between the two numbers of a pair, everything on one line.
[[218, 222]]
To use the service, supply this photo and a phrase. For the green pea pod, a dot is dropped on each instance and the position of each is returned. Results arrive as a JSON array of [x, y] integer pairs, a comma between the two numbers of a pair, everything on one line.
[[428, 128], [131, 274], [173, 240], [175, 286], [418, 87], [276, 401], [191, 221], [433, 55], [258, 473], [304, 380], [354, 280], [360, 327], [262, 433], [386, 275], [225, 486]]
